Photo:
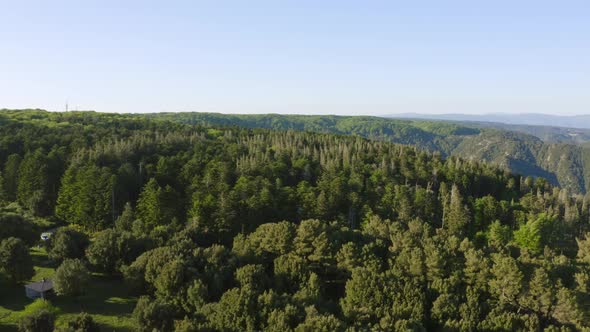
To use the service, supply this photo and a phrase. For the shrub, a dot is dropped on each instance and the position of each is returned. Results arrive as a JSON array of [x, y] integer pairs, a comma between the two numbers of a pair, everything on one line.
[[38, 316], [71, 278]]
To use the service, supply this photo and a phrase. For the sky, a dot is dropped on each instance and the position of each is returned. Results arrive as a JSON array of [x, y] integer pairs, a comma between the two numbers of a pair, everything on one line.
[[320, 57]]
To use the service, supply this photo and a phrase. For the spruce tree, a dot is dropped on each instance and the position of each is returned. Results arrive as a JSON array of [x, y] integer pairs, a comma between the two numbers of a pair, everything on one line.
[[11, 175], [457, 216], [32, 183]]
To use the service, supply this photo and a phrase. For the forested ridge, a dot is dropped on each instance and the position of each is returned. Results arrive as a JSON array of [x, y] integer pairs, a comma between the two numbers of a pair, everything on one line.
[[240, 229], [517, 148]]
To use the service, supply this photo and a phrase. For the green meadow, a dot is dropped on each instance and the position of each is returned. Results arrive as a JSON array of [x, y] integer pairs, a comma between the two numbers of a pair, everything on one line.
[[106, 299]]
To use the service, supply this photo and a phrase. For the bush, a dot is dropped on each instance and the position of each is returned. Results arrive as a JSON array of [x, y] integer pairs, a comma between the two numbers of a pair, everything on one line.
[[82, 323], [153, 315], [112, 249], [38, 316], [15, 225], [71, 278], [15, 260], [41, 321], [68, 243]]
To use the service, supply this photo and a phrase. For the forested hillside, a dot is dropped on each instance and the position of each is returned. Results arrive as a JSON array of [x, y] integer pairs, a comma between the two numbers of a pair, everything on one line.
[[238, 229], [527, 119], [545, 133], [566, 165]]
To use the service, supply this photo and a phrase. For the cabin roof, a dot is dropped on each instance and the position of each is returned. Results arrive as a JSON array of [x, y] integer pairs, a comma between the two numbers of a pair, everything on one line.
[[41, 286]]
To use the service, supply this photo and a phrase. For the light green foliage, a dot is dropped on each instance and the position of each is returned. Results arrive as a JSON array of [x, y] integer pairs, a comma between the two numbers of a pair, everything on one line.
[[40, 305], [536, 233]]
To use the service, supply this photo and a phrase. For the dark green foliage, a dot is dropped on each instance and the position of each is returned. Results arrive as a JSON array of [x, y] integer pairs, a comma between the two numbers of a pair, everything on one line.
[[126, 219], [3, 194], [111, 249], [156, 206], [317, 322], [33, 190], [86, 197], [38, 316], [252, 277], [40, 321], [71, 278], [235, 311], [68, 243], [11, 176], [81, 323], [153, 315], [15, 260], [14, 225]]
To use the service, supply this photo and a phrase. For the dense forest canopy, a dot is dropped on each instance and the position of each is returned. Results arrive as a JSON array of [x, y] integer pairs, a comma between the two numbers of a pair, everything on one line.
[[241, 229], [516, 148]]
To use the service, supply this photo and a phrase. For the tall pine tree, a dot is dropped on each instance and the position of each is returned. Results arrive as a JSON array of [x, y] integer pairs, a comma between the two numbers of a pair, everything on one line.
[[11, 175], [33, 182]]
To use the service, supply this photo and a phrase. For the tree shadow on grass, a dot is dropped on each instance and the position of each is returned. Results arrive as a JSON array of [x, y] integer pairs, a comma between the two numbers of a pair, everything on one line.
[[106, 299], [8, 328], [13, 296], [40, 258]]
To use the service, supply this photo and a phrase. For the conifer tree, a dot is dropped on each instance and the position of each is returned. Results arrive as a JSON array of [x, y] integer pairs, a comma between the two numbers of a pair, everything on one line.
[[33, 182], [11, 175], [156, 205], [456, 214], [3, 195]]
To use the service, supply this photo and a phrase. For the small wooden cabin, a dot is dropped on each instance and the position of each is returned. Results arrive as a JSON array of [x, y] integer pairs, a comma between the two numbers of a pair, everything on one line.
[[40, 289]]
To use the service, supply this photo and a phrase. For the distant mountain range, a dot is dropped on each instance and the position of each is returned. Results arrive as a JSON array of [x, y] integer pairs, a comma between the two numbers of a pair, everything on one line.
[[530, 119]]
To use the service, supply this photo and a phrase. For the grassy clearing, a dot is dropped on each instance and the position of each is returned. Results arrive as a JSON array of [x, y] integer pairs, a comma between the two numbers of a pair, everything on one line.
[[107, 300]]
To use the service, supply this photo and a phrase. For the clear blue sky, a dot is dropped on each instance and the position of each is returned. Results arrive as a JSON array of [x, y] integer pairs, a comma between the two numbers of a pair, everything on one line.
[[339, 57]]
